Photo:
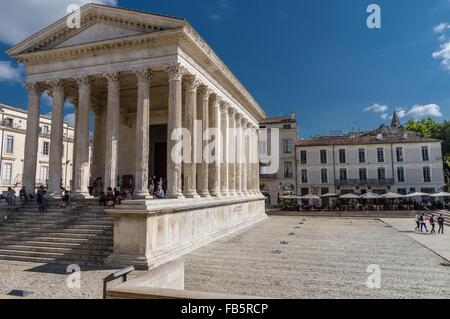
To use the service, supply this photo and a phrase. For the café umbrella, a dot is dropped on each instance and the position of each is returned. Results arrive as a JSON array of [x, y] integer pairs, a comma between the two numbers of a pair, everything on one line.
[[417, 194], [392, 195], [441, 194], [370, 195], [329, 195], [351, 196], [310, 196]]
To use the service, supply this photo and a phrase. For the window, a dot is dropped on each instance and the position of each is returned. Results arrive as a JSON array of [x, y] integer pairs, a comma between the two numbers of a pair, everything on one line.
[[380, 155], [342, 158], [343, 174], [324, 191], [362, 155], [45, 148], [304, 176], [45, 129], [425, 155], [287, 146], [287, 126], [303, 158], [426, 174], [324, 176], [44, 175], [363, 174], [400, 174], [7, 172], [381, 173], [9, 144], [288, 170], [323, 156], [399, 151], [401, 191]]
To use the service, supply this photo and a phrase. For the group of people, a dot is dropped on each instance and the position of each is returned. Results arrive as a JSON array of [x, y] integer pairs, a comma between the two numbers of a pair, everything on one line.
[[421, 223], [113, 196], [157, 187]]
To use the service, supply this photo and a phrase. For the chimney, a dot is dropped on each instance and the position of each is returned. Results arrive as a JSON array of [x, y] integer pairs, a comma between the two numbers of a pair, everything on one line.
[[292, 116], [379, 137]]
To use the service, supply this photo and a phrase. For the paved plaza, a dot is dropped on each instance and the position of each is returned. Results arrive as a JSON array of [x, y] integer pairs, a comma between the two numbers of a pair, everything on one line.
[[325, 258]]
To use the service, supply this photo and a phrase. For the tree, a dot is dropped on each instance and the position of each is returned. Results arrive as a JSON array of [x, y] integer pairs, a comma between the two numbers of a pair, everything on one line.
[[432, 129]]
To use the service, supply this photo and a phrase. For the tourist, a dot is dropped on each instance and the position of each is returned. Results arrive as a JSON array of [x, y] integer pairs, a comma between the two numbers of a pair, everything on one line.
[[417, 222], [11, 197], [109, 197], [159, 194], [441, 224], [116, 195], [151, 188], [44, 202], [433, 224], [65, 199], [102, 198], [423, 223], [23, 195], [91, 185]]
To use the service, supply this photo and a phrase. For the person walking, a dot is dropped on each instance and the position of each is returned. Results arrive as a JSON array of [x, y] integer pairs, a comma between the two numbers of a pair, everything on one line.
[[423, 223], [441, 224], [44, 202], [433, 224], [417, 222]]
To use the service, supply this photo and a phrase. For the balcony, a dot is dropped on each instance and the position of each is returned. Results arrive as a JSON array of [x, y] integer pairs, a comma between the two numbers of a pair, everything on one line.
[[268, 176], [365, 182]]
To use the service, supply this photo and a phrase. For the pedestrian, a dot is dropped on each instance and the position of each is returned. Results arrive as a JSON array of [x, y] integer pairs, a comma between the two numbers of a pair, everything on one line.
[[441, 224], [417, 222], [65, 199], [11, 197], [23, 195], [433, 224], [423, 223], [102, 198], [159, 194], [44, 202]]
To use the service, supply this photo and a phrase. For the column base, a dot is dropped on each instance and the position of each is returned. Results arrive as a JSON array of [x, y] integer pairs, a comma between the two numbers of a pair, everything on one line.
[[142, 195], [192, 195], [80, 195], [54, 195], [175, 196], [205, 194], [216, 194]]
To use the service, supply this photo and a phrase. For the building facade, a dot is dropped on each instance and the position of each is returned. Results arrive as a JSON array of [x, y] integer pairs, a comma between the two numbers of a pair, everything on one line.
[[388, 159], [283, 181], [12, 136]]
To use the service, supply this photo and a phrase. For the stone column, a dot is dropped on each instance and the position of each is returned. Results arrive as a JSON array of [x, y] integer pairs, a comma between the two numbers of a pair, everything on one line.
[[203, 167], [190, 114], [142, 134], [112, 130], [74, 101], [56, 138], [232, 152], [251, 166], [215, 166], [32, 136], [239, 150], [81, 178], [174, 157], [98, 151], [257, 183], [244, 156], [224, 168]]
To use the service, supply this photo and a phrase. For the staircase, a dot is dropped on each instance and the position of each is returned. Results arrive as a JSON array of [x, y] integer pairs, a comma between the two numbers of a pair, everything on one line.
[[445, 214], [82, 234]]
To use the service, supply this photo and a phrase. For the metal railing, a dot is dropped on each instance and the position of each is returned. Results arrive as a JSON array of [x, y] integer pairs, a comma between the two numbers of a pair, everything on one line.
[[119, 274]]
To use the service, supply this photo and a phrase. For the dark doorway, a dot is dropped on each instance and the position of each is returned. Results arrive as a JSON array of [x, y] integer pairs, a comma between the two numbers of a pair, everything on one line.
[[161, 160]]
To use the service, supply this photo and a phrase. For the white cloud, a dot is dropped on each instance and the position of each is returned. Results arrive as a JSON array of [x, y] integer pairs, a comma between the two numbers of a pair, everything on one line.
[[441, 27], [384, 116], [401, 113], [214, 16], [444, 55], [70, 118], [377, 108], [418, 111], [9, 72], [20, 19]]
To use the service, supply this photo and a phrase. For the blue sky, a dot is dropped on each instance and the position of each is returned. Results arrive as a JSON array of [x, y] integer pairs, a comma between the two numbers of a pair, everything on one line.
[[314, 57]]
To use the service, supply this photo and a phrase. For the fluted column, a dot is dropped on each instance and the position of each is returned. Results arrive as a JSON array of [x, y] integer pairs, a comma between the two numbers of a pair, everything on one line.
[[239, 155], [190, 167], [82, 170], [98, 150], [142, 134], [174, 150], [214, 176], [257, 183], [203, 167], [245, 156], [232, 152], [74, 101], [32, 135], [56, 138], [224, 167], [112, 130], [252, 160]]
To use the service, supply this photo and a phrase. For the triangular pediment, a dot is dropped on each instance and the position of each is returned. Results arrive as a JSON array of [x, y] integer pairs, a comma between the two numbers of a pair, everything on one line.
[[98, 23]]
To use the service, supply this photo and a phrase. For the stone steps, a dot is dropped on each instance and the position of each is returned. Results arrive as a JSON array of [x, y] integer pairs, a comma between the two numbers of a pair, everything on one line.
[[446, 216], [80, 235]]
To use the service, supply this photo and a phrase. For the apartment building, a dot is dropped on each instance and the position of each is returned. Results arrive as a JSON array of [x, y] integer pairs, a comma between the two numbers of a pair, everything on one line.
[[388, 159], [283, 181], [13, 125]]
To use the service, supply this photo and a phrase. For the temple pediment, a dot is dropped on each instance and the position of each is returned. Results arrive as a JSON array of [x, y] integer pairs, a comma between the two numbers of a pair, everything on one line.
[[97, 23]]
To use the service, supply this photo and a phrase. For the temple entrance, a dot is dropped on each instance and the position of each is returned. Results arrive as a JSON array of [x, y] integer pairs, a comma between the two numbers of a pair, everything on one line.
[[158, 151]]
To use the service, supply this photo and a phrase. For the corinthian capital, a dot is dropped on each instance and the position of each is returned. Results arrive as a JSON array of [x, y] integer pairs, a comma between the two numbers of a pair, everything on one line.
[[57, 86], [176, 71], [33, 88], [143, 76], [205, 92], [113, 78], [191, 83], [83, 82]]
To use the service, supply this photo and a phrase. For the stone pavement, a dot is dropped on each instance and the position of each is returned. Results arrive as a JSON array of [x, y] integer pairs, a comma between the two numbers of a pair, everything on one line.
[[438, 243], [326, 258]]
